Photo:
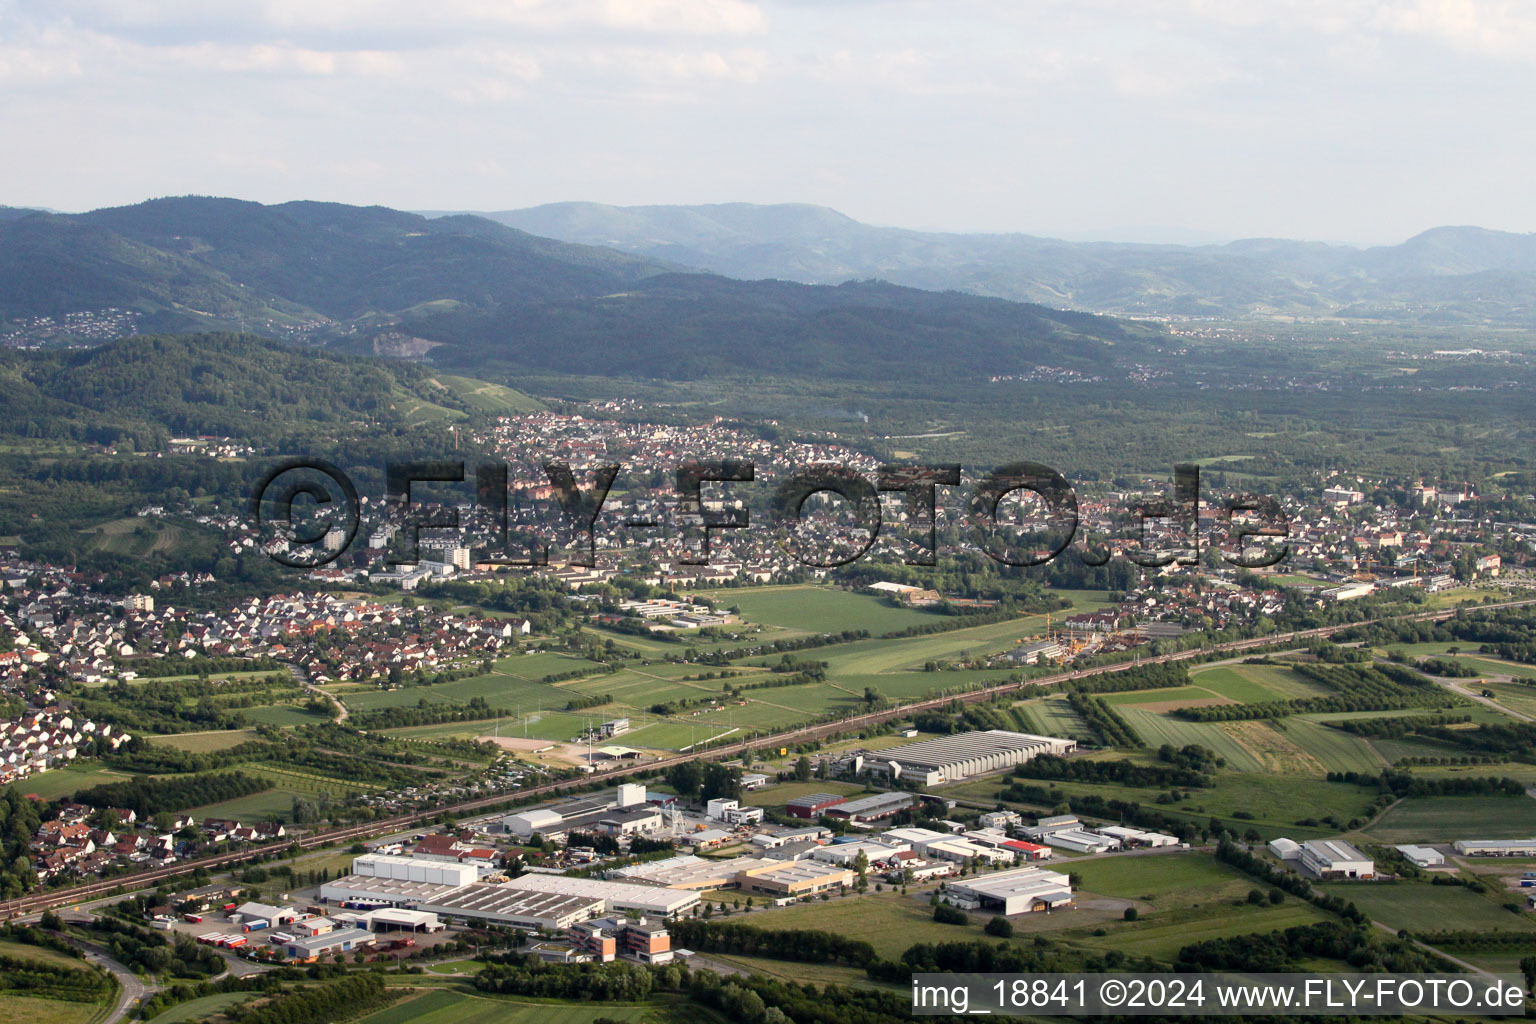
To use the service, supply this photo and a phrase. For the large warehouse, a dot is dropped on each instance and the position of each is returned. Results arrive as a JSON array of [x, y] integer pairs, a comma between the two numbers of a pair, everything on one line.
[[368, 891], [1012, 892], [618, 897], [519, 908], [1495, 847], [952, 758], [415, 869]]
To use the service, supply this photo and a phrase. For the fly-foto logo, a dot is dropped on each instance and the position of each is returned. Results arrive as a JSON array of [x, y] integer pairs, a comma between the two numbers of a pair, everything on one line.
[[313, 513]]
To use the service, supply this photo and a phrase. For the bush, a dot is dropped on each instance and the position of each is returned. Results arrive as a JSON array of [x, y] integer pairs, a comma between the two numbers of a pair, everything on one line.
[[1000, 926], [1131, 914], [946, 914]]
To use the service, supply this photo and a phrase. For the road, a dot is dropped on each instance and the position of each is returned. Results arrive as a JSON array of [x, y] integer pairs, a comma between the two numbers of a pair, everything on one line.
[[57, 897], [129, 988], [301, 677]]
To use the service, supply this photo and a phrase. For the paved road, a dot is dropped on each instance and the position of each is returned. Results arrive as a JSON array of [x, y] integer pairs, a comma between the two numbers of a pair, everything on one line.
[[129, 988]]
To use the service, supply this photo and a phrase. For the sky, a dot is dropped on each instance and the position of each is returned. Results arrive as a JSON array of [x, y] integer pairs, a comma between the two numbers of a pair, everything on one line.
[[1361, 121]]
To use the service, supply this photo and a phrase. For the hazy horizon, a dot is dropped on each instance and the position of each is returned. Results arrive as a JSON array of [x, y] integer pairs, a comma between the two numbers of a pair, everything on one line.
[[1310, 119]]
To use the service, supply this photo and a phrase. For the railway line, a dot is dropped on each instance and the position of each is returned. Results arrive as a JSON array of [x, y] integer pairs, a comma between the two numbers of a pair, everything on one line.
[[36, 902]]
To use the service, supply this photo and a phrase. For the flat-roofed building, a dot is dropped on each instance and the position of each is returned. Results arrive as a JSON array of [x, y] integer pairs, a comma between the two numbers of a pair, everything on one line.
[[696, 873], [872, 808], [964, 754], [1012, 892], [812, 805], [308, 948], [1130, 837], [1495, 847], [517, 908], [369, 891], [798, 878], [617, 897], [642, 940], [1422, 856], [1080, 840], [415, 869], [847, 854], [1334, 858]]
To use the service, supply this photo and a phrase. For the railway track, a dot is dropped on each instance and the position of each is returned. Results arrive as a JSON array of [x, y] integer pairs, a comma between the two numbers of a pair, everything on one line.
[[36, 902]]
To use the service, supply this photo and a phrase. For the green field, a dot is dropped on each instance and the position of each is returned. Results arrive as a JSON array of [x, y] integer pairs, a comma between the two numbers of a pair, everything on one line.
[[203, 742], [813, 609], [202, 1007], [443, 1006], [283, 715], [16, 1009], [51, 785], [1162, 935], [485, 397], [1446, 819], [515, 683], [1430, 907]]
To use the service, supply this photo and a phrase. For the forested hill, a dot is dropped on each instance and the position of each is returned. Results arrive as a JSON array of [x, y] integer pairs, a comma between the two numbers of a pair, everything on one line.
[[1444, 275], [466, 292], [142, 391]]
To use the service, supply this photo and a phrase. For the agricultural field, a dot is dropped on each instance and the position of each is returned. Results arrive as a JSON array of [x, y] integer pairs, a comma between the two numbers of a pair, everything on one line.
[[1161, 934], [888, 921], [1445, 819], [515, 682], [25, 1009], [1430, 907], [283, 715], [451, 1006], [201, 1008], [51, 785], [205, 742], [802, 609]]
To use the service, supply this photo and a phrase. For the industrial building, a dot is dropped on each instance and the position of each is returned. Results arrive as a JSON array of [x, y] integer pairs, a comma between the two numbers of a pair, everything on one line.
[[1334, 858], [1131, 837], [812, 805], [732, 813], [578, 815], [1422, 856], [647, 942], [1495, 847], [368, 891], [1012, 892], [875, 807], [964, 754], [391, 919], [415, 869], [1080, 840], [617, 897], [307, 949], [798, 878], [518, 908], [1285, 849]]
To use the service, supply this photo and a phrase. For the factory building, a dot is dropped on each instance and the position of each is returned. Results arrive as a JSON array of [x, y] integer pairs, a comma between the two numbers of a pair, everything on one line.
[[1422, 856], [957, 757], [617, 897], [1334, 858], [577, 815], [798, 878], [415, 869], [1133, 837], [517, 908], [869, 809], [368, 892], [812, 805], [308, 949], [1012, 892], [1495, 847]]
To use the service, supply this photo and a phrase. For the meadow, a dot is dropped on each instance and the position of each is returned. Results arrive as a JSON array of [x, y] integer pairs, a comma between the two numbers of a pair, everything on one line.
[[1419, 907]]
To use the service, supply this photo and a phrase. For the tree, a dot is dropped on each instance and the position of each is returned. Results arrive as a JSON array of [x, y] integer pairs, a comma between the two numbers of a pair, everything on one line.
[[803, 769], [1130, 914], [1000, 926], [687, 778]]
